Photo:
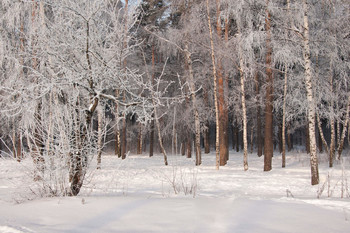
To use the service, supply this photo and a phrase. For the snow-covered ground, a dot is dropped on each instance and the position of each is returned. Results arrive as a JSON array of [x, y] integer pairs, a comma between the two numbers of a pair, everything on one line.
[[140, 194]]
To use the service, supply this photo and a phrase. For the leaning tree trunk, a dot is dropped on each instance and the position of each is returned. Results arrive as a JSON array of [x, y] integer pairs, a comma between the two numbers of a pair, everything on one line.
[[159, 133], [268, 138], [310, 97], [320, 131], [215, 91]]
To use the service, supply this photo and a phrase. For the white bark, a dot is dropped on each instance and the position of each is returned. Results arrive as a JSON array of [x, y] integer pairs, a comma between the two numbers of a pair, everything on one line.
[[244, 109], [310, 97]]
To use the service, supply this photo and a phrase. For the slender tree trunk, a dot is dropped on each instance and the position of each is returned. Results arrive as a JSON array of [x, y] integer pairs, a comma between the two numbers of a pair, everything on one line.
[[307, 138], [159, 133], [251, 138], [320, 145], [189, 146], [117, 146], [237, 136], [174, 143], [183, 147], [268, 138], [226, 116], [233, 135], [284, 114], [215, 91], [289, 138], [258, 115], [310, 98], [151, 144], [207, 126], [14, 139], [332, 145], [99, 135], [320, 131], [244, 109], [194, 106], [123, 137], [139, 139], [333, 133], [338, 127], [280, 146], [19, 147], [207, 138], [124, 134]]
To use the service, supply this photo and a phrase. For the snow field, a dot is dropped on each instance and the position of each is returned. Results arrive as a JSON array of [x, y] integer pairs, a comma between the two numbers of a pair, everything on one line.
[[140, 194]]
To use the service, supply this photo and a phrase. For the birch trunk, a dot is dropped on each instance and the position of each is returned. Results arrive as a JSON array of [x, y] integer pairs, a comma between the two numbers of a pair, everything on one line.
[[310, 98], [285, 104], [244, 109], [215, 91]]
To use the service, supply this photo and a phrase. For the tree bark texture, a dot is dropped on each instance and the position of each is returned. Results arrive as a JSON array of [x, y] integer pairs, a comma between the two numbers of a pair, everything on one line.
[[221, 98], [310, 97], [217, 145], [268, 138]]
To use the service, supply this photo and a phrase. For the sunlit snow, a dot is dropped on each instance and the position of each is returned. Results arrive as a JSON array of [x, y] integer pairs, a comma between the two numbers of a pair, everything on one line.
[[140, 194]]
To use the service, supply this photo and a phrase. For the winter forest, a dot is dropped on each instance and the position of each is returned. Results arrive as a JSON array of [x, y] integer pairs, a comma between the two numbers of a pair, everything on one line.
[[208, 82]]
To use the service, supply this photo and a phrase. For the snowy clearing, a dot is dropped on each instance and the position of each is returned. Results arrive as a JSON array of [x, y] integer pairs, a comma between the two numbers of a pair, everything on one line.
[[140, 194]]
